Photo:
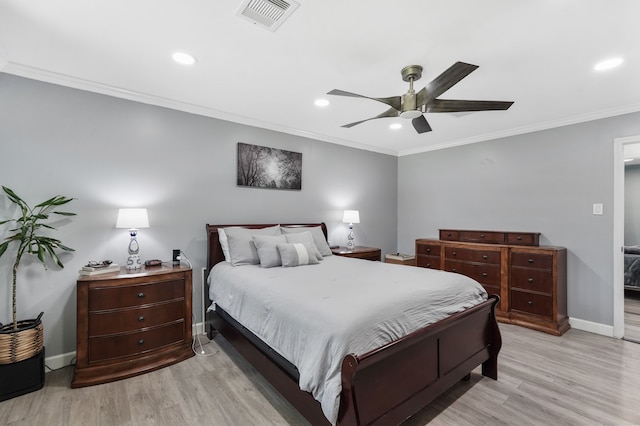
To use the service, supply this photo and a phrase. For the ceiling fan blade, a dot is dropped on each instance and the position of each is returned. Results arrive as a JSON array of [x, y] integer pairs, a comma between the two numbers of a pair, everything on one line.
[[444, 82], [393, 101], [420, 124], [450, 105], [391, 112]]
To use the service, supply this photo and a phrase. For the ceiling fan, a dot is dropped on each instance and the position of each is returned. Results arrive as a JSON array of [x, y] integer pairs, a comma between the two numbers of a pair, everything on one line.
[[413, 105]]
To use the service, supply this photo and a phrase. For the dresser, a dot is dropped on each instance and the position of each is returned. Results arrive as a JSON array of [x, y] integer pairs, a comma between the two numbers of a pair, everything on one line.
[[530, 279], [132, 322]]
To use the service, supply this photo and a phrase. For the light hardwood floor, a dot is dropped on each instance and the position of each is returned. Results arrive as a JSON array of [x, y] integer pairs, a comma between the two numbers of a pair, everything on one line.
[[632, 315], [577, 379]]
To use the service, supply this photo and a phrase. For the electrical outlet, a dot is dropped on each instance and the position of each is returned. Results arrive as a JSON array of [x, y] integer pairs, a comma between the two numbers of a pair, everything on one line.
[[598, 208], [176, 256]]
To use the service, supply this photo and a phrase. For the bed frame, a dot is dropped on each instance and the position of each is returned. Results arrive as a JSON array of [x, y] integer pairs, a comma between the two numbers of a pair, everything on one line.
[[384, 386]]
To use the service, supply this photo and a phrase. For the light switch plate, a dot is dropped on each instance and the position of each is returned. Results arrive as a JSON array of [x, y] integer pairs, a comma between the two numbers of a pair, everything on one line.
[[598, 208]]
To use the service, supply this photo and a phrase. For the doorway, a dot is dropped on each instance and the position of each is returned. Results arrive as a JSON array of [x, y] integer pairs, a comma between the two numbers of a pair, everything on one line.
[[621, 146]]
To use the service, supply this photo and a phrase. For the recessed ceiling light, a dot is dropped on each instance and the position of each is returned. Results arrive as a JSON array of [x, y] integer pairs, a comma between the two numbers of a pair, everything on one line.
[[608, 64], [395, 126], [184, 58], [321, 102]]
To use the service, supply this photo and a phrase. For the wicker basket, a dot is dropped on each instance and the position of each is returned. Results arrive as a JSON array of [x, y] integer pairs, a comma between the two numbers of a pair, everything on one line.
[[21, 344]]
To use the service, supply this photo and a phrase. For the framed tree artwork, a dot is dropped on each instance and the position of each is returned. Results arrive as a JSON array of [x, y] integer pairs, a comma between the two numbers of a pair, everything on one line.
[[264, 167]]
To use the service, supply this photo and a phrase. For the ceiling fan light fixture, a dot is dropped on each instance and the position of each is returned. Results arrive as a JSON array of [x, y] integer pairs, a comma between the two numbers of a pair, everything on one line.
[[411, 114], [608, 64], [395, 126], [321, 103]]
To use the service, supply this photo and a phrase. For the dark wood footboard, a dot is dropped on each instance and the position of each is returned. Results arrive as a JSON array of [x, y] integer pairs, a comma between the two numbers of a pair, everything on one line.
[[389, 384]]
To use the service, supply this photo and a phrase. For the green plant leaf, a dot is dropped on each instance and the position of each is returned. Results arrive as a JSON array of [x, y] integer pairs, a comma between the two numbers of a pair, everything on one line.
[[3, 247]]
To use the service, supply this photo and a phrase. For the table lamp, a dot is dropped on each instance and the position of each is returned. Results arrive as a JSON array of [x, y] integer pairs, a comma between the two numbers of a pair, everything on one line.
[[133, 219], [351, 217]]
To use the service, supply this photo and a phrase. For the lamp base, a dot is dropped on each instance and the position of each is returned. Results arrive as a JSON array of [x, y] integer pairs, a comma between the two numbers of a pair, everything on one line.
[[133, 262]]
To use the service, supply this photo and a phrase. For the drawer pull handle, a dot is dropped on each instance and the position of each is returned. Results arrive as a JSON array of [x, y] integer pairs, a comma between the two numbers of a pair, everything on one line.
[[448, 234], [428, 265], [484, 274], [485, 257], [141, 342], [141, 318], [481, 235], [428, 250], [530, 280], [519, 238], [140, 295], [530, 260], [530, 302], [453, 270], [454, 253]]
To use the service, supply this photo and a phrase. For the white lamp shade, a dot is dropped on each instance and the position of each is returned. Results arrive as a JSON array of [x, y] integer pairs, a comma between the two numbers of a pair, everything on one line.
[[132, 218], [351, 216]]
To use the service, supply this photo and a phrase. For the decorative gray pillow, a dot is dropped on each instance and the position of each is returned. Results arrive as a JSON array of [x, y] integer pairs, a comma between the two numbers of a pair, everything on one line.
[[242, 250], [296, 254], [316, 233], [268, 253], [304, 238]]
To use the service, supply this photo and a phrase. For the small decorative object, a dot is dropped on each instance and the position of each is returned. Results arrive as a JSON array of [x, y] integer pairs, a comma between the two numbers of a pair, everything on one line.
[[133, 219], [22, 342], [265, 167], [351, 217]]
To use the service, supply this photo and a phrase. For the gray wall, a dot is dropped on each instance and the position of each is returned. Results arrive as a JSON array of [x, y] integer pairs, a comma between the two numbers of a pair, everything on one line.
[[545, 181], [632, 205], [110, 153]]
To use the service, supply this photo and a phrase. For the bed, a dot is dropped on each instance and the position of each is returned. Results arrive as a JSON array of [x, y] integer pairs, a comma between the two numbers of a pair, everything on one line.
[[382, 385], [632, 268]]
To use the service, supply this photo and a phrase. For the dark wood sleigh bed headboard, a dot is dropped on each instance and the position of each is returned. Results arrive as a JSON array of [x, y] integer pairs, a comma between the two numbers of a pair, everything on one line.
[[214, 250]]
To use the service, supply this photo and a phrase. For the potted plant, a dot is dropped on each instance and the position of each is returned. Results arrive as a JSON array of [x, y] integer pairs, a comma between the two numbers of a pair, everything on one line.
[[22, 342]]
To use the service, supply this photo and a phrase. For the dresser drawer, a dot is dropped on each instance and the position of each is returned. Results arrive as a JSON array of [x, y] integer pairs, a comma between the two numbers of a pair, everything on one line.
[[122, 345], [428, 249], [489, 237], [532, 303], [532, 260], [121, 321], [449, 235], [540, 280], [472, 255], [135, 295], [432, 262], [484, 274], [523, 238]]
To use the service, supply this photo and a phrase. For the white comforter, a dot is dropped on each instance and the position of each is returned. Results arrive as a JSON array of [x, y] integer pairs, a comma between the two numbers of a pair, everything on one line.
[[315, 315]]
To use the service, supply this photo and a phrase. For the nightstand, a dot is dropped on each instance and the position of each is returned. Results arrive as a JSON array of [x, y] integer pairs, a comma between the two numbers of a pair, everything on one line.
[[131, 322], [401, 259], [359, 252]]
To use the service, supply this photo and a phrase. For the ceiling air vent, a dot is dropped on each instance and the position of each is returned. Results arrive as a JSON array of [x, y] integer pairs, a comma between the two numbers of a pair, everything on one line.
[[269, 14]]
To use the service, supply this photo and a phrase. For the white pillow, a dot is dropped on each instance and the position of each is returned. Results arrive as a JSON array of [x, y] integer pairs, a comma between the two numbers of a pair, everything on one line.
[[222, 237], [304, 238], [268, 253], [296, 254], [242, 250], [316, 233]]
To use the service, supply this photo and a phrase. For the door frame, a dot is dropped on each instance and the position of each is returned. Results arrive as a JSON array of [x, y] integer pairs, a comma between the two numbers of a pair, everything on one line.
[[618, 232]]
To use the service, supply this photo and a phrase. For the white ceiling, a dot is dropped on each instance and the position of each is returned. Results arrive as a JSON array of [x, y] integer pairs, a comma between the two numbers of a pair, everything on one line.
[[539, 54]]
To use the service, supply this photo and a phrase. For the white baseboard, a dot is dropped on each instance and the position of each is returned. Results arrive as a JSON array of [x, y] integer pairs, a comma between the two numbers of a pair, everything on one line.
[[591, 327], [58, 361]]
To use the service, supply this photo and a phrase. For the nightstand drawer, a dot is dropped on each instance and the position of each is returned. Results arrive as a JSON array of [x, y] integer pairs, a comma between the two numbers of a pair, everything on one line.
[[122, 345], [523, 238], [484, 274], [121, 321], [135, 295], [532, 260], [472, 255], [540, 280], [532, 303]]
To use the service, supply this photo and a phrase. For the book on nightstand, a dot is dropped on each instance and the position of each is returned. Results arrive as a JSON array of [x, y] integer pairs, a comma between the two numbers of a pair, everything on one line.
[[400, 258], [91, 270]]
